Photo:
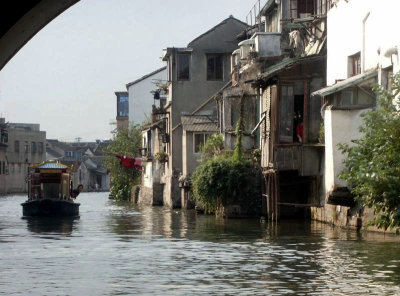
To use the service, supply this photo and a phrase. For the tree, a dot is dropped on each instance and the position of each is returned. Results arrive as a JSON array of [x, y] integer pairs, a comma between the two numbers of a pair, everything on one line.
[[127, 142], [373, 163], [212, 147]]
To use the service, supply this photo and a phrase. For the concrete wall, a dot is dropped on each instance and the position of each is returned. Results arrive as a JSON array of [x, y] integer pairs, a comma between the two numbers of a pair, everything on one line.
[[341, 126], [185, 96], [141, 99], [18, 162], [346, 37], [190, 159]]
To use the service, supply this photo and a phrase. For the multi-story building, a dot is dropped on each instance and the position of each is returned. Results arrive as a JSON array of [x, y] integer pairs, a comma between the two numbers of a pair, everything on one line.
[[26, 146], [361, 52], [194, 74], [122, 110], [280, 60], [142, 95]]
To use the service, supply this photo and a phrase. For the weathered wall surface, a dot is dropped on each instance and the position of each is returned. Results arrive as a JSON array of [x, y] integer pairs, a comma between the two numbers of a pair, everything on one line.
[[346, 37], [19, 161], [341, 126], [141, 99]]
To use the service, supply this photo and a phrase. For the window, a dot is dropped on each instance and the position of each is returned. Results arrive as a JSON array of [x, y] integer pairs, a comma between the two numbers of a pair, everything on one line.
[[19, 168], [286, 128], [358, 97], [307, 8], [301, 8], [214, 67], [68, 153], [40, 147], [0, 167], [33, 147], [123, 105], [4, 167], [26, 147], [355, 64], [387, 78], [199, 140], [16, 146], [183, 66]]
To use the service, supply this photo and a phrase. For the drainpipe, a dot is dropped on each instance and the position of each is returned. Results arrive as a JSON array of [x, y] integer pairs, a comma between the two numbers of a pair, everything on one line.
[[363, 45]]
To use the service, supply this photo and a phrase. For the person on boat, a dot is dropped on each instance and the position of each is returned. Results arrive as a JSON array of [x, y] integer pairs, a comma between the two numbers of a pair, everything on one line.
[[76, 191]]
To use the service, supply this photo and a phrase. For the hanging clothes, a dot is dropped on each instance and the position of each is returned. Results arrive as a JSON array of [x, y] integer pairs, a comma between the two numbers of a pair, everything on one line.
[[130, 162]]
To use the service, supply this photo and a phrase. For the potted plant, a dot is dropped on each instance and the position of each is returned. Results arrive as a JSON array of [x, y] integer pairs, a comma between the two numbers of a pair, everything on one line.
[[161, 156]]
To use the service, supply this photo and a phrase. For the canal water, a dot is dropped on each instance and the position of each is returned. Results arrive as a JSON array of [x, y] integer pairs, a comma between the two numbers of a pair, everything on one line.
[[122, 249]]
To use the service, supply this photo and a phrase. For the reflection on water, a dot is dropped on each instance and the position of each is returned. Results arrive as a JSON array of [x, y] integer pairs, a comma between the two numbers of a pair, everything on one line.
[[119, 249], [51, 225]]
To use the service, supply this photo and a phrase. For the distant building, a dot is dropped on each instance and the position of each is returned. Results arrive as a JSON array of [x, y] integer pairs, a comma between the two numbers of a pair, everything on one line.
[[26, 146], [122, 110], [141, 95], [93, 175], [86, 159]]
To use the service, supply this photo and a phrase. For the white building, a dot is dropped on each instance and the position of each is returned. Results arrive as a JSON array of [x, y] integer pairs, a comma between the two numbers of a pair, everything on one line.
[[362, 50], [141, 97]]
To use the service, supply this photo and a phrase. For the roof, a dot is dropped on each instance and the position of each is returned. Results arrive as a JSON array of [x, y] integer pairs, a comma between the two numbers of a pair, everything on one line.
[[346, 83], [52, 152], [199, 123], [220, 24], [267, 6], [145, 76], [94, 164], [287, 64], [51, 165]]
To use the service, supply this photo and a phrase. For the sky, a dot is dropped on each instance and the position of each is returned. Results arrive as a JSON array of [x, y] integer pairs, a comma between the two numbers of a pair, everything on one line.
[[65, 77]]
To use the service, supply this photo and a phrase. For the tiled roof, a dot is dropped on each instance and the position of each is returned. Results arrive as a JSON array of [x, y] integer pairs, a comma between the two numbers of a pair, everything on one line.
[[199, 123], [52, 165]]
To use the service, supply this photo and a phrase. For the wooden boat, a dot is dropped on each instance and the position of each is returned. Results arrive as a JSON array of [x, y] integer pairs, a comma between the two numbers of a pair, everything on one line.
[[50, 187]]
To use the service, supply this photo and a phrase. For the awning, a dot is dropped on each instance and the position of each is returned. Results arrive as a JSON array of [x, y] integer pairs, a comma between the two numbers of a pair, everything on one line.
[[287, 64], [355, 80]]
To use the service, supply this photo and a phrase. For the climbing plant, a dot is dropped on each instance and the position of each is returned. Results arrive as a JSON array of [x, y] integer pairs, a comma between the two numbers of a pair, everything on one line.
[[222, 179], [373, 163]]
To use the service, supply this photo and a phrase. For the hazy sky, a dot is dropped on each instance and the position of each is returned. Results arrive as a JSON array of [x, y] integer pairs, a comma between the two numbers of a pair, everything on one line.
[[65, 77]]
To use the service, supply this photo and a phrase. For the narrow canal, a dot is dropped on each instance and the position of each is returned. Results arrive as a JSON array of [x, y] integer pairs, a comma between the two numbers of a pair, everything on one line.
[[120, 249]]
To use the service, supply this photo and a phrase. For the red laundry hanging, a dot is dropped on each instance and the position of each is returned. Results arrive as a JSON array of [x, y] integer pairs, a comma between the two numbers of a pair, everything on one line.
[[130, 162]]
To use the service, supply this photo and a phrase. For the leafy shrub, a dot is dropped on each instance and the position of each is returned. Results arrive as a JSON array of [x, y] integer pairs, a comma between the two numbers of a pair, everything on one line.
[[373, 163], [222, 181]]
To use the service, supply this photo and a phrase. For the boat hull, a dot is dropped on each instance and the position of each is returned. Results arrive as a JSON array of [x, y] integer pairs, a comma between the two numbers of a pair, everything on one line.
[[50, 207]]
